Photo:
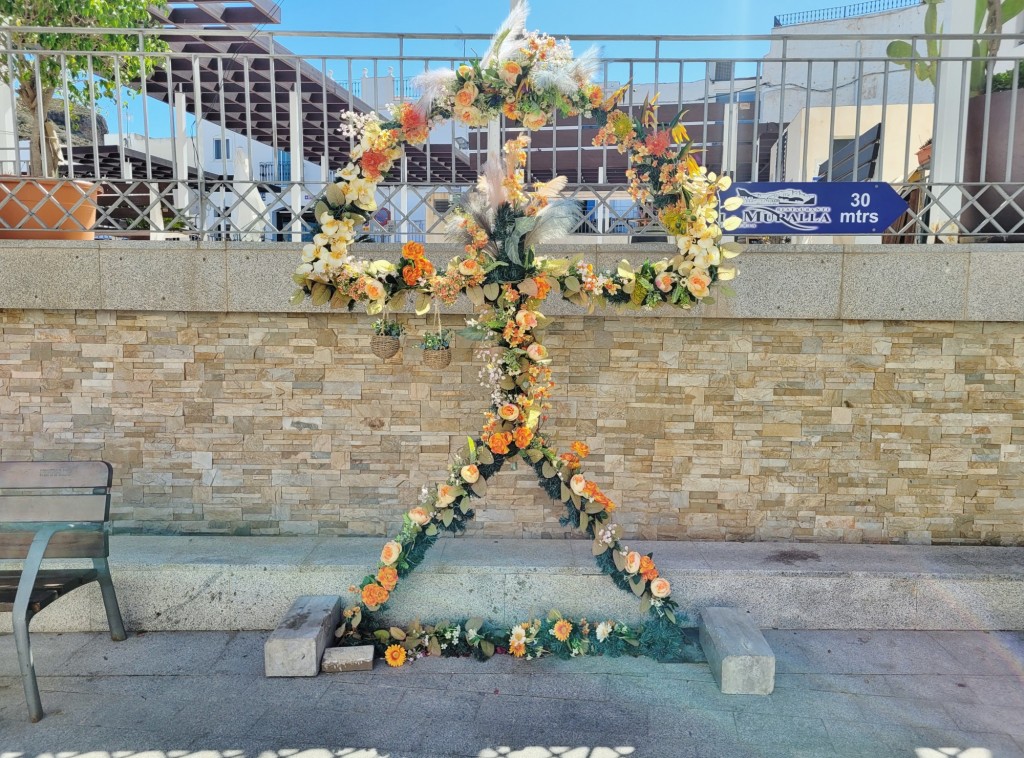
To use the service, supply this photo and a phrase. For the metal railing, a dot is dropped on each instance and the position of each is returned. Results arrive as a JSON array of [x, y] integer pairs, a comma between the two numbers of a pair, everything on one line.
[[844, 11], [789, 110]]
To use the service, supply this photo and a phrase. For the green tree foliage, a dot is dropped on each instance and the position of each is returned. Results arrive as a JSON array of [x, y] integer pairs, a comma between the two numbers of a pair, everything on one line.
[[50, 62]]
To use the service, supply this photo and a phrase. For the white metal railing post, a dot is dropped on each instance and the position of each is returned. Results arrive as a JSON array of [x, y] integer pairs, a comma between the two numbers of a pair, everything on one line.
[[181, 194], [949, 139], [297, 157]]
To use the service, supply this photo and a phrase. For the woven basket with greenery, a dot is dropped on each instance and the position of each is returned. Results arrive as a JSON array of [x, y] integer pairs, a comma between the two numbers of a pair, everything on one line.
[[384, 346], [437, 358]]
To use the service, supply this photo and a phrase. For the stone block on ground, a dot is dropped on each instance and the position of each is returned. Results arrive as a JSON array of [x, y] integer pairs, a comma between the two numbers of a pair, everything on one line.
[[355, 658], [296, 646], [740, 658]]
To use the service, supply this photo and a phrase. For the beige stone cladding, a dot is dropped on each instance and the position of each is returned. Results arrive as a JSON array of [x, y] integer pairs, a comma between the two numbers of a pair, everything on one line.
[[701, 428]]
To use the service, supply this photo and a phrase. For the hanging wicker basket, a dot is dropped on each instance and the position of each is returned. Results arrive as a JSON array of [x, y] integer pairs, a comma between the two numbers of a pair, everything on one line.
[[437, 358], [383, 346]]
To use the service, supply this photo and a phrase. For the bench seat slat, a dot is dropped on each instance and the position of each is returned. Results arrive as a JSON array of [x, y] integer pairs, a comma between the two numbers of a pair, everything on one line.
[[40, 475], [62, 545], [50, 584]]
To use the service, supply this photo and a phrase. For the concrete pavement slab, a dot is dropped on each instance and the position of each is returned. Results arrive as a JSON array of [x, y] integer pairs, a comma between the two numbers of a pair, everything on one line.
[[211, 707]]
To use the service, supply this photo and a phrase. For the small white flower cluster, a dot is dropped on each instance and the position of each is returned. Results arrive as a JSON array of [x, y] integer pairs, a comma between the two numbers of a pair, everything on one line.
[[353, 124]]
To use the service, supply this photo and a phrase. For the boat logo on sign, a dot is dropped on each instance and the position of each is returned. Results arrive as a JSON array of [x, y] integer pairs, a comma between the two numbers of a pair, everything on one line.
[[791, 207]]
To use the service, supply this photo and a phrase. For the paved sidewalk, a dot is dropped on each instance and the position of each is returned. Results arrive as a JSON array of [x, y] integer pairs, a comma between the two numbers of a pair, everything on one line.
[[874, 694]]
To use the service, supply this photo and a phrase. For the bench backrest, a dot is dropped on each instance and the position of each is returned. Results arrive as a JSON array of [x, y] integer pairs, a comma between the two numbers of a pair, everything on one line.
[[71, 491]]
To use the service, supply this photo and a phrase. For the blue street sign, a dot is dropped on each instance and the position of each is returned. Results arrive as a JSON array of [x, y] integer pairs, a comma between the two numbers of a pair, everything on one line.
[[797, 208]]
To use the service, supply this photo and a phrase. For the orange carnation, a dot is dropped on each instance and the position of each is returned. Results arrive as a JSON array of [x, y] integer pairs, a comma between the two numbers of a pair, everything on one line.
[[374, 595], [388, 577], [580, 449], [647, 569], [395, 656], [522, 437]]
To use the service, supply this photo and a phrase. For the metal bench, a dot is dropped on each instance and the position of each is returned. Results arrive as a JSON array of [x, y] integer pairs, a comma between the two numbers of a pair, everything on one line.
[[53, 510]]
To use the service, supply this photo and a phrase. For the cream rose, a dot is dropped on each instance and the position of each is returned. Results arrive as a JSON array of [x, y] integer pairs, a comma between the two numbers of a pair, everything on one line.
[[534, 121], [509, 412], [419, 515], [470, 268], [577, 483], [470, 474], [632, 562], [445, 495], [537, 352], [698, 283], [510, 71], [390, 552], [660, 587], [526, 319], [466, 95], [374, 289], [663, 282]]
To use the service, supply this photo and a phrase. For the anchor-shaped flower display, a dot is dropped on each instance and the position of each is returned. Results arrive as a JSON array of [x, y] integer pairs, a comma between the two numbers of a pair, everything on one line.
[[524, 76]]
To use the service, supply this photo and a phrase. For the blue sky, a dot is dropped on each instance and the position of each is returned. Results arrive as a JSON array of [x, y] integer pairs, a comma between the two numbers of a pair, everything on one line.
[[552, 16]]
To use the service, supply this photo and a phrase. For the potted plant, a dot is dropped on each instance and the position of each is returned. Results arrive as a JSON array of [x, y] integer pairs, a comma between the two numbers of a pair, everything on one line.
[[38, 77], [981, 204], [385, 340], [437, 348]]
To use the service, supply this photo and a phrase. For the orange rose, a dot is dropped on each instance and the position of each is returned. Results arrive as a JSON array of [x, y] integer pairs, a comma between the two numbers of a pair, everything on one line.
[[522, 437], [498, 443], [470, 473], [581, 449], [632, 562], [388, 577], [374, 595], [419, 515], [413, 250], [661, 588], [410, 275], [578, 483], [509, 412], [647, 569], [390, 552]]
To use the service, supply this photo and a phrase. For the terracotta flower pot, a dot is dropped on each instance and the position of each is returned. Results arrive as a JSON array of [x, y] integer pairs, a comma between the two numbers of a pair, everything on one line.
[[48, 200]]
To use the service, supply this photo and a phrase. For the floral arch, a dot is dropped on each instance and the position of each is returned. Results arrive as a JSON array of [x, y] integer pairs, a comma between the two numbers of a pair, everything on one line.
[[524, 76]]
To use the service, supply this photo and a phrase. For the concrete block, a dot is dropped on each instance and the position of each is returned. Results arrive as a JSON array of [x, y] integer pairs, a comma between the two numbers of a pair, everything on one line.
[[190, 280], [764, 275], [739, 655], [924, 285], [296, 646], [993, 289], [338, 659], [71, 280]]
